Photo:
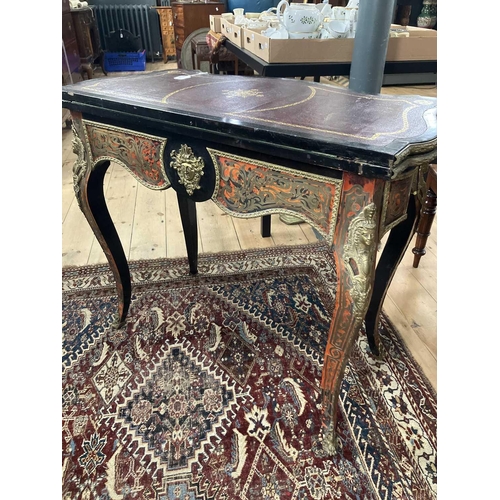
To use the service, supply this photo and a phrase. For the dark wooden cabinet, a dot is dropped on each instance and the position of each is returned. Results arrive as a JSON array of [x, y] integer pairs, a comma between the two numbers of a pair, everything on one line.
[[89, 43], [191, 16], [70, 54], [167, 31]]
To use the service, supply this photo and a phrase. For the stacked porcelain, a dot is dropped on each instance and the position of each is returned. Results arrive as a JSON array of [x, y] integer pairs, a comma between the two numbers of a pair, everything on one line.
[[342, 23], [301, 21]]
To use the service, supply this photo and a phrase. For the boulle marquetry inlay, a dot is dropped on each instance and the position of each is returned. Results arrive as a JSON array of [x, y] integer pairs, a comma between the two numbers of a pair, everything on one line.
[[395, 203], [141, 154], [248, 188]]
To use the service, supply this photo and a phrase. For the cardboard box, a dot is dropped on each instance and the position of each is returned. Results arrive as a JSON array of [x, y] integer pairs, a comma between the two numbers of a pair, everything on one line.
[[298, 51], [232, 31], [421, 45], [215, 23], [248, 38], [415, 31]]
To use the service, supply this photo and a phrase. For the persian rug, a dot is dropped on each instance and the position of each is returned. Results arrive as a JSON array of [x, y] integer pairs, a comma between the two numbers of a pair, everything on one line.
[[211, 389]]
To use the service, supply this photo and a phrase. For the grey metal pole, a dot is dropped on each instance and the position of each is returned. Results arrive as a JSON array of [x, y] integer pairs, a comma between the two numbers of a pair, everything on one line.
[[370, 45]]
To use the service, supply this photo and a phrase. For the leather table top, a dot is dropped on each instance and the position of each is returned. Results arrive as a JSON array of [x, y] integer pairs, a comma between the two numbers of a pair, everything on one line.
[[289, 113]]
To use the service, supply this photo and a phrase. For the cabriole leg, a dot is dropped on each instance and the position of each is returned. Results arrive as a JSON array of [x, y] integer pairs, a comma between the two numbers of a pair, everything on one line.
[[394, 250], [89, 192], [354, 253]]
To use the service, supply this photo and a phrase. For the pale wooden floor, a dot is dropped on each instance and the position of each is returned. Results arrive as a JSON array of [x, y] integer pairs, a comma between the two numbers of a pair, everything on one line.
[[149, 227]]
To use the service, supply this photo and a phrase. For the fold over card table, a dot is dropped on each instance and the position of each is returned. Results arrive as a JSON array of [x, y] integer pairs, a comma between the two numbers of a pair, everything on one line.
[[351, 165]]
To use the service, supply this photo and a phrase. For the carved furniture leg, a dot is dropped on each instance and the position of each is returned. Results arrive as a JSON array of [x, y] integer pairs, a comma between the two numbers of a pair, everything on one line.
[[187, 209], [90, 196], [428, 212], [101, 62], [394, 250], [86, 69], [354, 252]]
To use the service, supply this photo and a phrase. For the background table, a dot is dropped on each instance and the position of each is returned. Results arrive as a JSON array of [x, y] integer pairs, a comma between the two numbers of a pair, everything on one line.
[[404, 72]]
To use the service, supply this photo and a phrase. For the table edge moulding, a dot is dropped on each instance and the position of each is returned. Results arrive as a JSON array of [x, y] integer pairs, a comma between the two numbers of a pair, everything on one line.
[[352, 165]]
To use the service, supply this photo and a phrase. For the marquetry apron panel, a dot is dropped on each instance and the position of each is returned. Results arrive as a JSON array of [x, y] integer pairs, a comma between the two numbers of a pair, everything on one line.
[[396, 199], [141, 154], [248, 188]]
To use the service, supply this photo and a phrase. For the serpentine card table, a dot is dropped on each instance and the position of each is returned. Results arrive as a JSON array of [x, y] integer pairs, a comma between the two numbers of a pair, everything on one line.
[[350, 164]]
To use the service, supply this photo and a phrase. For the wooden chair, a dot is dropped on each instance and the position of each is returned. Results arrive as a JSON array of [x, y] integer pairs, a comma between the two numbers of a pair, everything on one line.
[[427, 215]]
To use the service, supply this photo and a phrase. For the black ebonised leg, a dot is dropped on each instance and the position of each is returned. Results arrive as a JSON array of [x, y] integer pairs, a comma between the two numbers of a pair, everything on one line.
[[187, 209], [93, 205], [397, 243], [265, 226]]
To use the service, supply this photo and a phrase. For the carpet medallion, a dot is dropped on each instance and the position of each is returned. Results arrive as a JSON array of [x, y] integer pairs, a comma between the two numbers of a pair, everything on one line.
[[211, 389]]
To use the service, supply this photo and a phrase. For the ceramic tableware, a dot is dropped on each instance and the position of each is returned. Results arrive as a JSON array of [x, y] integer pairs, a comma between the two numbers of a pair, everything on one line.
[[277, 33], [299, 17], [338, 13], [303, 36], [256, 24], [337, 29], [325, 9], [239, 16]]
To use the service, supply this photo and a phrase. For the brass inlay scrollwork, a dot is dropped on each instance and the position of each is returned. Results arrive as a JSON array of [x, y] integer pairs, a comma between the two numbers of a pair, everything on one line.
[[81, 164], [251, 113], [141, 154], [396, 198], [189, 168], [246, 187], [359, 253], [242, 93]]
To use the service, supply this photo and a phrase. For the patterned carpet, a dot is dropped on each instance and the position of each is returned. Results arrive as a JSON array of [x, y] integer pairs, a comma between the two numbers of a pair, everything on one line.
[[211, 390]]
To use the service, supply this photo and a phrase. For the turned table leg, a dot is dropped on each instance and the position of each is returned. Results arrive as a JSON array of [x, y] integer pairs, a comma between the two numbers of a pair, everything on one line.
[[428, 212]]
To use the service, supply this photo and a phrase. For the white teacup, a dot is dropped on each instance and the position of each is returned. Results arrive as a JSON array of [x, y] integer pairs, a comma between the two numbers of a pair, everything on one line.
[[276, 33], [337, 29]]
